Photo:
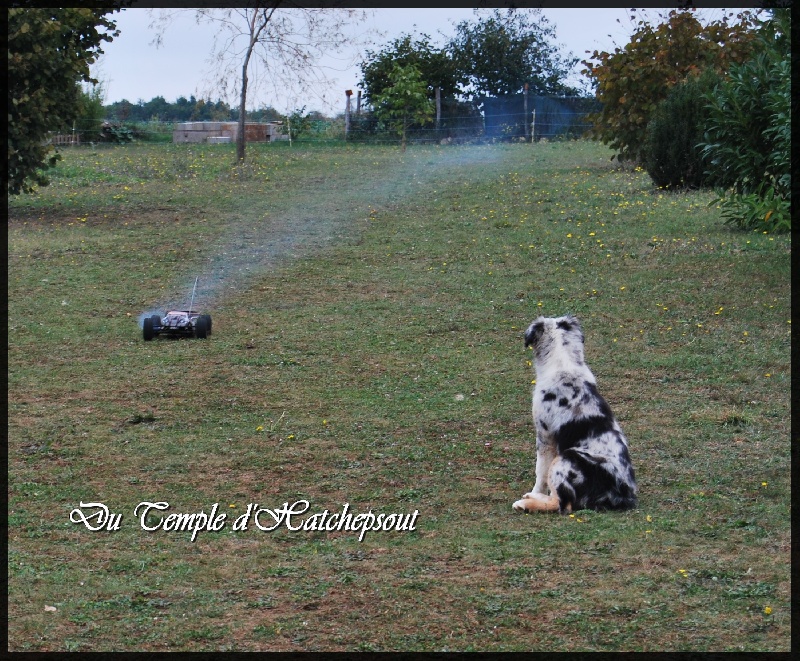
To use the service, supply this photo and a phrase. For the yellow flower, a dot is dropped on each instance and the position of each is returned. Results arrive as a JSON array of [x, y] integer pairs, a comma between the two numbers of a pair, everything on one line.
[[259, 428], [767, 611], [649, 519]]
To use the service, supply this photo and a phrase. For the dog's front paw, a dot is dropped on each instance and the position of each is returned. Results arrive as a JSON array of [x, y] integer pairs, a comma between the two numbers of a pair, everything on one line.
[[536, 502], [519, 505]]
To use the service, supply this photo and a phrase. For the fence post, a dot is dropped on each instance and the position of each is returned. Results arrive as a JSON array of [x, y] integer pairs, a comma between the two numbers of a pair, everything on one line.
[[348, 93], [526, 128], [438, 109], [358, 104], [533, 126]]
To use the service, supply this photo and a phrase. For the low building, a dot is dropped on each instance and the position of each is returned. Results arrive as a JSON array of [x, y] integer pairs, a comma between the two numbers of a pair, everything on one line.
[[221, 132]]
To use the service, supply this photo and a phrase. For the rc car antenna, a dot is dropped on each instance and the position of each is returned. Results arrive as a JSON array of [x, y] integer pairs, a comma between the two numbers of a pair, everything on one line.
[[191, 303]]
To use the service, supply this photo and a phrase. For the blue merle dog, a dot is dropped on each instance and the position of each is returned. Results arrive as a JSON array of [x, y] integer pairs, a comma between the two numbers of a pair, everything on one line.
[[582, 459]]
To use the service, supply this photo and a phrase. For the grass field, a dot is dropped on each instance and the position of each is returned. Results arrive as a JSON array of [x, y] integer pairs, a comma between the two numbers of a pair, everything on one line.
[[368, 311]]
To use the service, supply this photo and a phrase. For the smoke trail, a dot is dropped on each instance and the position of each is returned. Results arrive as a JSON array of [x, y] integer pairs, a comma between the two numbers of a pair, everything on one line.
[[299, 223]]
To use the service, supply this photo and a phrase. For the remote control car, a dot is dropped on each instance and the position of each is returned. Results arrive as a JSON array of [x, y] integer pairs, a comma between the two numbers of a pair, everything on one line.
[[178, 323]]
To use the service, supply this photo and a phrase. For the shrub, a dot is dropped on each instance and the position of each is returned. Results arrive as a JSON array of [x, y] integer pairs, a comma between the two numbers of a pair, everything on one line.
[[747, 143], [671, 153]]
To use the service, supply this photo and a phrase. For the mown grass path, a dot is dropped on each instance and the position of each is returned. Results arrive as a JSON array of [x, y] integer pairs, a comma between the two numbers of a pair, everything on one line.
[[368, 314]]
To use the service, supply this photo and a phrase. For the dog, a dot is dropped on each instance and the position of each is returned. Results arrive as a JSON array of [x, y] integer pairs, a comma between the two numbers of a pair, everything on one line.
[[582, 458]]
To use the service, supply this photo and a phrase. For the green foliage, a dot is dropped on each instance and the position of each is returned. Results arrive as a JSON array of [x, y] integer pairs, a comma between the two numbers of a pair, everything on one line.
[[404, 102], [763, 210], [632, 81], [49, 52], [185, 110], [298, 123], [436, 67], [499, 54], [748, 138], [116, 133], [671, 154], [91, 111]]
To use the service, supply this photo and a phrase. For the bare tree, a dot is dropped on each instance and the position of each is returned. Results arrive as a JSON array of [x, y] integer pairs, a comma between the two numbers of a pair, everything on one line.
[[286, 41]]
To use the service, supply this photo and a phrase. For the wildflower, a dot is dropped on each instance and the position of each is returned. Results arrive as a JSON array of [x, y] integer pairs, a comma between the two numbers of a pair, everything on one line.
[[649, 519], [767, 610], [260, 428]]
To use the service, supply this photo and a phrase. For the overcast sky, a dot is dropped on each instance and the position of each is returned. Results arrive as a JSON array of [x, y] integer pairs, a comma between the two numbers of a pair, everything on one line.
[[133, 68]]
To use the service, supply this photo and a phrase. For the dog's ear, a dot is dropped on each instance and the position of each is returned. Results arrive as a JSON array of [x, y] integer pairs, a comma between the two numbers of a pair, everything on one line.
[[534, 333], [576, 325], [568, 323]]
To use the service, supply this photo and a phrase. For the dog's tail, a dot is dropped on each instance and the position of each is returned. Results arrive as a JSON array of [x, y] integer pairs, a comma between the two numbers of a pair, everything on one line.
[[542, 504]]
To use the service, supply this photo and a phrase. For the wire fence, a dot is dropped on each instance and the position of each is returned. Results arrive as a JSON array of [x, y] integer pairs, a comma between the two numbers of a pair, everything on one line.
[[365, 127]]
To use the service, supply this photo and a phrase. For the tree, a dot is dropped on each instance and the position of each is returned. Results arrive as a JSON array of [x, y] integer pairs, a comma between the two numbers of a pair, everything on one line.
[[632, 81], [298, 123], [49, 54], [671, 152], [436, 67], [404, 101], [502, 52], [91, 112], [287, 42]]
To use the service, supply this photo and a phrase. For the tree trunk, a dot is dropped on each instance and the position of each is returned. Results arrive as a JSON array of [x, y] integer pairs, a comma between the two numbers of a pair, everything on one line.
[[241, 139], [256, 28]]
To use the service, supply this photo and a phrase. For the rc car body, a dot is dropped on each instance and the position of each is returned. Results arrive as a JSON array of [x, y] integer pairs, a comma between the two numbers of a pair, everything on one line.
[[177, 323]]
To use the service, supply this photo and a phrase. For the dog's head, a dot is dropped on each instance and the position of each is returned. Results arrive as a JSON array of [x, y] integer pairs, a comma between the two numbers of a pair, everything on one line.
[[547, 334]]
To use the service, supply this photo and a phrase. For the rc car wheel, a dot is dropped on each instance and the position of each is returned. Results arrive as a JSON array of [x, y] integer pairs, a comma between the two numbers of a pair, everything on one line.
[[208, 322], [201, 327], [147, 329], [156, 321]]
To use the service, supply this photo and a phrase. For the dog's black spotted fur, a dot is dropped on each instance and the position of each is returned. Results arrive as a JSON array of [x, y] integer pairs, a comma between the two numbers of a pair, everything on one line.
[[582, 455]]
